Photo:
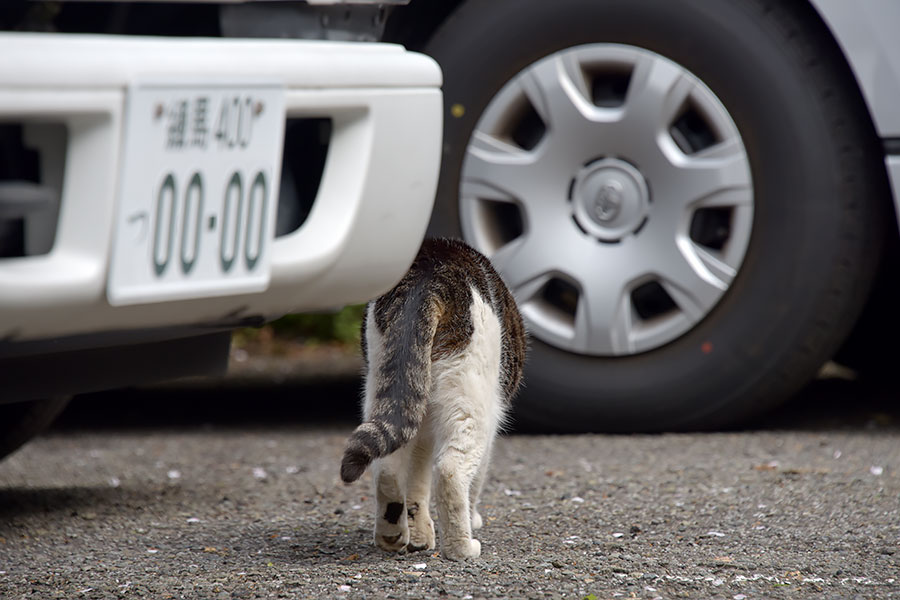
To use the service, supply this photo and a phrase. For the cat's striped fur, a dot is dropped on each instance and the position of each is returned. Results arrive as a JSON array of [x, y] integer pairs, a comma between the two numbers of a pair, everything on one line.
[[444, 353]]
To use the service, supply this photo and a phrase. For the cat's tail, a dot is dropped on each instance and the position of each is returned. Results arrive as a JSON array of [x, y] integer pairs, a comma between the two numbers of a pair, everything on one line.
[[403, 382]]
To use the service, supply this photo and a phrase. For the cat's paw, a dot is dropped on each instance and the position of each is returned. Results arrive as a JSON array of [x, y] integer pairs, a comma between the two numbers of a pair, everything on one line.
[[393, 539], [477, 521], [462, 550], [421, 535]]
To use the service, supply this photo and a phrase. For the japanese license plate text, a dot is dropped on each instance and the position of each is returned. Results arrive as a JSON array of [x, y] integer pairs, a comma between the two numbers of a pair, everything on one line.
[[198, 192]]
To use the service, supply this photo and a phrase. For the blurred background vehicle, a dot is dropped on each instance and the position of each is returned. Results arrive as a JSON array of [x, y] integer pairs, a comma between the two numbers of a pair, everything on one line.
[[692, 200]]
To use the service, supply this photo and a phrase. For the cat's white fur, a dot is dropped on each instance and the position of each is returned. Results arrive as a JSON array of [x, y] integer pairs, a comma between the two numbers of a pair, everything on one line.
[[453, 444]]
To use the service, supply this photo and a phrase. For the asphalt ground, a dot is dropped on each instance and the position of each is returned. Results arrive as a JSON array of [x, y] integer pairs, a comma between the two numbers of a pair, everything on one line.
[[232, 491]]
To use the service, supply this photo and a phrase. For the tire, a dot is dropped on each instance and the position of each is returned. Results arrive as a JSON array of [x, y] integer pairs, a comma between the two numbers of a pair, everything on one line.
[[799, 238], [21, 421]]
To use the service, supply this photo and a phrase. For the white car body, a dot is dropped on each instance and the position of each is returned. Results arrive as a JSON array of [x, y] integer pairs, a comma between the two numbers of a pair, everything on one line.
[[367, 222]]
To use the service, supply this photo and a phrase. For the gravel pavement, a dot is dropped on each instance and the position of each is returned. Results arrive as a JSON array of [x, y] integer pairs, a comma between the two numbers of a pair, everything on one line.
[[806, 506]]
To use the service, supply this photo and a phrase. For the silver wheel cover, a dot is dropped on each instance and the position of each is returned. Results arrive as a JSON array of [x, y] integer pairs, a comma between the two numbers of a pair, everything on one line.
[[612, 190]]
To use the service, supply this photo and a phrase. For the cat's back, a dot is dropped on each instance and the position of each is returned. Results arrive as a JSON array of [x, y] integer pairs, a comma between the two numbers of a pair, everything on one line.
[[450, 262], [449, 270], [460, 281], [444, 269]]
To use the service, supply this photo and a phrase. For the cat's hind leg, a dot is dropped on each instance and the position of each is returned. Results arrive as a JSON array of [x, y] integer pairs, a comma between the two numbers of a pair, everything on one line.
[[418, 495], [390, 474], [456, 464], [478, 484], [463, 435]]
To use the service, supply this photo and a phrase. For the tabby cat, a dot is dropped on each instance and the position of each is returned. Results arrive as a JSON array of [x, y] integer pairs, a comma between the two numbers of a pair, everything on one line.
[[444, 352]]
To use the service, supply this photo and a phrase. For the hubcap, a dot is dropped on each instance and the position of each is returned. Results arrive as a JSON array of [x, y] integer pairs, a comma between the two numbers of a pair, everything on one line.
[[610, 199], [612, 190]]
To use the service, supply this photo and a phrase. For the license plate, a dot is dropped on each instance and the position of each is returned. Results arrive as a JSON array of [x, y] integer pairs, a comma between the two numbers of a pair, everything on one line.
[[198, 191]]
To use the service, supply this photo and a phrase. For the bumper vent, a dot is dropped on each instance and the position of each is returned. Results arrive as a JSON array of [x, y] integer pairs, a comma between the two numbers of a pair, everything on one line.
[[32, 159], [306, 142]]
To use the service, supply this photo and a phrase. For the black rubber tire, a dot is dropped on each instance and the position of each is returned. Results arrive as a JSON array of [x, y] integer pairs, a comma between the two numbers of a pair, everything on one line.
[[21, 421], [818, 179]]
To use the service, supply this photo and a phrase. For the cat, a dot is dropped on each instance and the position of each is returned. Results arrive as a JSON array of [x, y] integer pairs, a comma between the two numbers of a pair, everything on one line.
[[444, 352]]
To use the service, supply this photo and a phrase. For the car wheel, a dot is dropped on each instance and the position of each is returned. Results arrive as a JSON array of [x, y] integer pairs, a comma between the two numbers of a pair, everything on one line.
[[682, 195], [21, 421]]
